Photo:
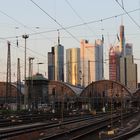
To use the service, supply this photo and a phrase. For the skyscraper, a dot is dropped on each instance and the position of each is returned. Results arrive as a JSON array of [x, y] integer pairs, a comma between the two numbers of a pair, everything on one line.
[[112, 64], [115, 53], [122, 40], [128, 49], [73, 66], [56, 62], [59, 62], [91, 61], [99, 64], [121, 63], [87, 54], [51, 65], [128, 72]]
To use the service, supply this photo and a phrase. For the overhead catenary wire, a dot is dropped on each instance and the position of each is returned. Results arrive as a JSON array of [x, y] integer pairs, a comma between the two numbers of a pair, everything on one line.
[[74, 26], [132, 19], [88, 27], [14, 44], [101, 20], [69, 27], [18, 22], [83, 24], [37, 58], [55, 20], [13, 19]]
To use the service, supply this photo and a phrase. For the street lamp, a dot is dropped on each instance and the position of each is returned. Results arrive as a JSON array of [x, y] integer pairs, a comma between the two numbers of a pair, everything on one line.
[[25, 94]]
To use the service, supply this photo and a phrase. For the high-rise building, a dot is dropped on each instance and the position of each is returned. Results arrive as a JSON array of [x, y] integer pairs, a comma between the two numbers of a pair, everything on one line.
[[99, 63], [56, 62], [114, 63], [73, 66], [128, 49], [128, 72], [115, 53], [51, 65], [91, 61], [59, 62], [122, 40], [87, 62], [121, 63]]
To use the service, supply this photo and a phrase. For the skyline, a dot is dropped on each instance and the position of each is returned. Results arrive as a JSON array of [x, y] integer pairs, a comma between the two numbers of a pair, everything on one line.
[[25, 11]]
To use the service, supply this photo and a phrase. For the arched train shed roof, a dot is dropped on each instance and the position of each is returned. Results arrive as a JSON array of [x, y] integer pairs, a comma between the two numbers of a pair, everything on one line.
[[137, 93], [67, 88], [104, 85], [3, 89]]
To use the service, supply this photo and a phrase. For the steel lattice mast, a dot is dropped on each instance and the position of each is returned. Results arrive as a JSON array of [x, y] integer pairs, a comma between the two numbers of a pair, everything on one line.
[[18, 85], [8, 76]]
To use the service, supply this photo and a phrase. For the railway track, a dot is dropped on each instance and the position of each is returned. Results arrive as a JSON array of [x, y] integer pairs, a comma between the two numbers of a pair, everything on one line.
[[72, 128], [15, 131], [13, 120], [77, 133], [25, 119], [127, 135], [18, 130]]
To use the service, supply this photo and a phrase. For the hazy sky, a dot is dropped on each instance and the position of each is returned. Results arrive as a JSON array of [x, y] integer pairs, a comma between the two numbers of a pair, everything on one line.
[[18, 17]]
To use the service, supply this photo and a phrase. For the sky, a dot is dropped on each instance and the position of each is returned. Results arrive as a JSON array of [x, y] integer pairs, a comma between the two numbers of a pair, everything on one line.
[[75, 20]]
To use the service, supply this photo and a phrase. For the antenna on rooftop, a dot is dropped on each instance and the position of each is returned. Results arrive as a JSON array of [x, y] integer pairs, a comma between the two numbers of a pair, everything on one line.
[[58, 37]]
